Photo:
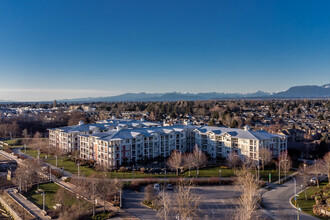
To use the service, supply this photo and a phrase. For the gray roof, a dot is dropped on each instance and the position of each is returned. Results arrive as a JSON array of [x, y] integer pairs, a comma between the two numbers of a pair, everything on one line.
[[239, 133], [106, 126], [132, 133]]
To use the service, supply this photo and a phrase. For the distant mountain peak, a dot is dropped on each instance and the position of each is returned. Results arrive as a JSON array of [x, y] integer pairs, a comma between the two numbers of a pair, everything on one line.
[[326, 86], [307, 91]]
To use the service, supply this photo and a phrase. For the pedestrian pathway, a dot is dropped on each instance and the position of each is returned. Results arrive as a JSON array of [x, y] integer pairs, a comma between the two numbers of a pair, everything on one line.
[[32, 208]]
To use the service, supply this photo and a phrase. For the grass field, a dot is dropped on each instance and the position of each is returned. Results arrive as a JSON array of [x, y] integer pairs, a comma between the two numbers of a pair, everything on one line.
[[50, 190], [307, 205], [71, 167]]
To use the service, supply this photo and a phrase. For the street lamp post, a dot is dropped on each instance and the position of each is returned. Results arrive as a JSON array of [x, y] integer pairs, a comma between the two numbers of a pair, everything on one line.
[[43, 201], [133, 171], [295, 195], [220, 175]]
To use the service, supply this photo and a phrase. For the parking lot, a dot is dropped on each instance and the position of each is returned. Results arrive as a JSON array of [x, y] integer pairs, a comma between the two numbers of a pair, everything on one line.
[[216, 202]]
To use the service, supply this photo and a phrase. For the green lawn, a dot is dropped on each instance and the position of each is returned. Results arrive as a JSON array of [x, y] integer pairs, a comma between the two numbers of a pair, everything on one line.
[[50, 190], [71, 167], [307, 205], [264, 175]]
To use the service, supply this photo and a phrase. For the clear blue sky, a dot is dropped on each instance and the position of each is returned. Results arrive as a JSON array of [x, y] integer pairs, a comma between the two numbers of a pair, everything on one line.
[[67, 49]]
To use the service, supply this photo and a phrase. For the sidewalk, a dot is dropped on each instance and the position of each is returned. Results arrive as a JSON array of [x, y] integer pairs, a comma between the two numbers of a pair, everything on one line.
[[32, 208]]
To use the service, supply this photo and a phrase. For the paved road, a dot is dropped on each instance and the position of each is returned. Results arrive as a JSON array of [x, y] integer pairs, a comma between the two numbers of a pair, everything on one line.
[[276, 201], [132, 204]]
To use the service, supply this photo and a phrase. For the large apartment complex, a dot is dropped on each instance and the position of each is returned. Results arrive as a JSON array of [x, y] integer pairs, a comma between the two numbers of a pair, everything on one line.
[[66, 138], [116, 142]]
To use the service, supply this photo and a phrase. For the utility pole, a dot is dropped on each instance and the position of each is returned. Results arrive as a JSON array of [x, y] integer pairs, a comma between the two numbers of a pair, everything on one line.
[[56, 160], [78, 169], [50, 174]]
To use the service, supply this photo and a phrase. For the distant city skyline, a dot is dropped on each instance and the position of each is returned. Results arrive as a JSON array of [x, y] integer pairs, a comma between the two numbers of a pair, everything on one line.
[[72, 49]]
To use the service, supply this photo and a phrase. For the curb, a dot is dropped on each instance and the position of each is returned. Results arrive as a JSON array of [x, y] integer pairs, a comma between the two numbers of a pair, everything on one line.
[[147, 206]]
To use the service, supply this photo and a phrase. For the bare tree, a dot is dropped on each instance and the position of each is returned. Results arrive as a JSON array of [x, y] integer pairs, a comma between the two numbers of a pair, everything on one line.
[[317, 167], [26, 176], [233, 160], [304, 174], [265, 156], [187, 200], [285, 163], [150, 195], [246, 181], [91, 188], [26, 136], [326, 164], [175, 161], [164, 206], [189, 162], [200, 159]]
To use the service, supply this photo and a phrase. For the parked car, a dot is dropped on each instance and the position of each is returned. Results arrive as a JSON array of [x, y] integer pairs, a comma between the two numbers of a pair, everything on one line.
[[156, 187], [312, 181], [169, 187]]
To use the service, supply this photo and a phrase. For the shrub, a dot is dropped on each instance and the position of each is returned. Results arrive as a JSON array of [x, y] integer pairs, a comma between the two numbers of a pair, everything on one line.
[[318, 200], [104, 215], [56, 173], [122, 169]]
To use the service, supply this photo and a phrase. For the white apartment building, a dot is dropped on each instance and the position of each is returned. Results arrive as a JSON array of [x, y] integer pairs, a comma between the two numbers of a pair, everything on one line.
[[112, 142], [66, 138], [114, 147], [220, 141]]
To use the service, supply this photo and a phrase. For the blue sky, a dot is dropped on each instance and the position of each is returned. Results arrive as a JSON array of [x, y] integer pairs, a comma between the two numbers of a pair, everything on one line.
[[68, 49]]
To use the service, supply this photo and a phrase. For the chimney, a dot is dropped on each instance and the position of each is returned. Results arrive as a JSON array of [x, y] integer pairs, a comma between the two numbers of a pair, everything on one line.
[[81, 122], [246, 128]]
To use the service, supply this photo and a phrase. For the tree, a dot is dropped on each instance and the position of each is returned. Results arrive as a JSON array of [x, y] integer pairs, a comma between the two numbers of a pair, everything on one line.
[[247, 183], [200, 159], [91, 187], [189, 161], [317, 167], [285, 162], [326, 164], [304, 174], [233, 160], [175, 161], [150, 195], [164, 205], [265, 156], [25, 176], [187, 200]]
